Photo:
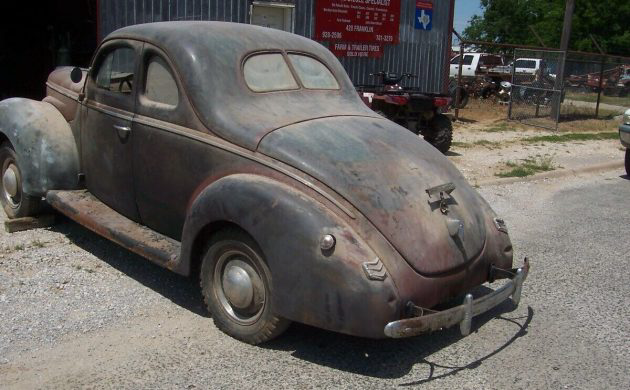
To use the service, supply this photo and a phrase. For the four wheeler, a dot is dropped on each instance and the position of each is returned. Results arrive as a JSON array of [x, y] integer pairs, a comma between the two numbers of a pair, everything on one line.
[[417, 111]]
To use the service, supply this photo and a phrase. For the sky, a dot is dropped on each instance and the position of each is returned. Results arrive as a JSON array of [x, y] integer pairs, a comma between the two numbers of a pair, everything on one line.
[[464, 10]]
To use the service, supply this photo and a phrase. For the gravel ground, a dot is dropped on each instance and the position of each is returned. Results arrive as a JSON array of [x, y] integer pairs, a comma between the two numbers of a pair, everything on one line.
[[78, 311]]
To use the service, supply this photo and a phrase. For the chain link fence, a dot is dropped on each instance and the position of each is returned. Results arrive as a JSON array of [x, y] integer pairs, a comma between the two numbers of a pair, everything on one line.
[[521, 84], [536, 93]]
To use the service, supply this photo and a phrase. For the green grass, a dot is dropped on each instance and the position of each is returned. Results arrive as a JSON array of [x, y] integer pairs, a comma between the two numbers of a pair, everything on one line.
[[38, 244], [498, 128], [569, 137], [592, 98], [528, 167], [18, 247], [461, 144], [486, 143]]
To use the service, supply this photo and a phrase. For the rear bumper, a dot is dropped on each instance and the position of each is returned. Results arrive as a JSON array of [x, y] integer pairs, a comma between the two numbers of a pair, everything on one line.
[[461, 314]]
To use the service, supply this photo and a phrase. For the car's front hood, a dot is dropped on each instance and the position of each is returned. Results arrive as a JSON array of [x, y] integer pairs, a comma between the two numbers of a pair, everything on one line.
[[384, 171]]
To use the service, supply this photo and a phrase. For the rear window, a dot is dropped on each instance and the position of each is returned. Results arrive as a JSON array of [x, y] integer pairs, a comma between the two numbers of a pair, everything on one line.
[[268, 72], [312, 73], [529, 64]]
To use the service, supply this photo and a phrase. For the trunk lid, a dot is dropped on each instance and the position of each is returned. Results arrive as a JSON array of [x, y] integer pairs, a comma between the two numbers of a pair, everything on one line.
[[385, 171]]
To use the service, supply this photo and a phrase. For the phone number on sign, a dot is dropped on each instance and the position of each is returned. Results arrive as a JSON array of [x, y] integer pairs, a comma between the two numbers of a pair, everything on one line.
[[384, 38], [331, 34]]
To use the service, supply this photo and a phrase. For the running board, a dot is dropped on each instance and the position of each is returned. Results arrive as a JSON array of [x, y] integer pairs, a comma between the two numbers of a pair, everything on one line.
[[85, 209]]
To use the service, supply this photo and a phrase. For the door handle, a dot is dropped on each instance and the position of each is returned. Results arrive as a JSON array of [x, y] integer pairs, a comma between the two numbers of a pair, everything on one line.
[[124, 129]]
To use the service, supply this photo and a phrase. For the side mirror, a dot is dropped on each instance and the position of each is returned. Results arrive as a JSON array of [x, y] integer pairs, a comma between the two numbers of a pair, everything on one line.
[[76, 75]]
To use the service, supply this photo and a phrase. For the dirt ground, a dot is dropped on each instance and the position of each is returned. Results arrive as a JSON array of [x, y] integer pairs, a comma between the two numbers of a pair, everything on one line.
[[485, 144]]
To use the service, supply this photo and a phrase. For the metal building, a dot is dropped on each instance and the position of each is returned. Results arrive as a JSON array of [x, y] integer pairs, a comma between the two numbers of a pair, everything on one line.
[[421, 48]]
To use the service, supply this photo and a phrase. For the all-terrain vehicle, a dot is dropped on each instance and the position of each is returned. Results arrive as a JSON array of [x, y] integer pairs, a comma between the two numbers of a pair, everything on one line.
[[420, 112]]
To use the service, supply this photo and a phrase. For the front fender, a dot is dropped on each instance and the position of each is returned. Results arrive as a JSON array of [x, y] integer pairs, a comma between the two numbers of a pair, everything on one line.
[[43, 141], [327, 290]]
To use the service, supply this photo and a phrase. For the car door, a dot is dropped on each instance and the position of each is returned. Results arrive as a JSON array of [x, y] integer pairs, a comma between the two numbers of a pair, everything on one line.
[[168, 163], [467, 65], [106, 138]]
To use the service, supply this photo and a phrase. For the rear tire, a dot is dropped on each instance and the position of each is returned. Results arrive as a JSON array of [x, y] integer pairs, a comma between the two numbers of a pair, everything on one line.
[[237, 289], [439, 133], [15, 202], [627, 162]]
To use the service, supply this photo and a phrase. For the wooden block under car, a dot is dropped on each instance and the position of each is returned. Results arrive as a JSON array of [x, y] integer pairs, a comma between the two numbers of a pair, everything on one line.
[[27, 223]]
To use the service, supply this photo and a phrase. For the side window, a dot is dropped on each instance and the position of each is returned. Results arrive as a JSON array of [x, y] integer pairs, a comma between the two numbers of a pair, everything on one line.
[[115, 73], [160, 86], [468, 60]]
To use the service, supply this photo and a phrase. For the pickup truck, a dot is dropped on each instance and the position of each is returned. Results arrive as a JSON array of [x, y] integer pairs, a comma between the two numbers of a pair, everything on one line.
[[474, 63], [242, 157]]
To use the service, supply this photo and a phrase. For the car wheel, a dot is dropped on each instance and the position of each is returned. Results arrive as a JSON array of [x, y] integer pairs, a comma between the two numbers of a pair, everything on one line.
[[439, 133], [15, 202], [627, 161], [237, 289]]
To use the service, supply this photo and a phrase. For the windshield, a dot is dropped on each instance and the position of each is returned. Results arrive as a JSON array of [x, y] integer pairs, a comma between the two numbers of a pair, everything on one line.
[[268, 72]]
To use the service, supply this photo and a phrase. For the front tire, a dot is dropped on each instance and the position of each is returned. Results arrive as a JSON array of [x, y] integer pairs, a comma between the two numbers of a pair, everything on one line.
[[627, 162], [15, 202], [237, 289], [439, 133]]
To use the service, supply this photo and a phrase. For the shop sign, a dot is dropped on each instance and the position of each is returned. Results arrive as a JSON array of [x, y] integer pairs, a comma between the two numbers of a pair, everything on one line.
[[359, 50], [424, 15], [375, 21]]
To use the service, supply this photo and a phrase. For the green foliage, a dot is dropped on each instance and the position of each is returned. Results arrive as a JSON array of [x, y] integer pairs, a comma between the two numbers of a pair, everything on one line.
[[528, 167], [568, 137], [507, 21]]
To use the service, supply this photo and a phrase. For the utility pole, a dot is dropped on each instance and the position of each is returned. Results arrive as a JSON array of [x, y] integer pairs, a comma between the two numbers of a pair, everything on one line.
[[564, 47]]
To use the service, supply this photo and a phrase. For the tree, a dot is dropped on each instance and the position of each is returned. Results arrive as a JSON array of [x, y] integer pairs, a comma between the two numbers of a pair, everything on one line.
[[507, 21]]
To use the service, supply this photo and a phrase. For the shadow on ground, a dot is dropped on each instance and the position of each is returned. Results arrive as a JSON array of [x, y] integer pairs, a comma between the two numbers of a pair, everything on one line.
[[180, 290], [389, 358], [386, 358]]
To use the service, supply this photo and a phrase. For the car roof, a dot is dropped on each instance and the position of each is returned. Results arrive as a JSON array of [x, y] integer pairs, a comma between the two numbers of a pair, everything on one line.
[[208, 57]]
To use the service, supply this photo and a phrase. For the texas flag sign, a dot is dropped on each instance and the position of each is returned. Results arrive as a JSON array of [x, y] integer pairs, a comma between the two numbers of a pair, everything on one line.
[[424, 15]]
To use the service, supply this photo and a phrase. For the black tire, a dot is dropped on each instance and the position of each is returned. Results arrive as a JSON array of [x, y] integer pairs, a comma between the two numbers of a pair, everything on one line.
[[244, 312], [627, 162], [439, 133], [463, 97], [15, 202]]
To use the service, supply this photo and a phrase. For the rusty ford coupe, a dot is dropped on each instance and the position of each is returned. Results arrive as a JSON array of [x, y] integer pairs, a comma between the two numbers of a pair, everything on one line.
[[243, 156]]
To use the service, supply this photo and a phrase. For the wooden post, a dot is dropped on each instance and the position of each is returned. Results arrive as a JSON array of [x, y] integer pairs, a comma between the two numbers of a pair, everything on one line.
[[564, 47]]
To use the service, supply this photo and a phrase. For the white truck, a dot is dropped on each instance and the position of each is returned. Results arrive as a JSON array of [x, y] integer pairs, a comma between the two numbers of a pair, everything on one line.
[[474, 63]]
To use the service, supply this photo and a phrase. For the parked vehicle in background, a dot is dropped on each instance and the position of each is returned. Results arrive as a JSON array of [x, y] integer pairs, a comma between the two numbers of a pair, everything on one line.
[[243, 157], [474, 63], [527, 65], [417, 111], [624, 136]]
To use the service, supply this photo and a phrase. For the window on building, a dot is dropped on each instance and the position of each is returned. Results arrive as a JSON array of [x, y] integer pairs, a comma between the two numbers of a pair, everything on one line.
[[116, 71], [160, 85], [280, 16]]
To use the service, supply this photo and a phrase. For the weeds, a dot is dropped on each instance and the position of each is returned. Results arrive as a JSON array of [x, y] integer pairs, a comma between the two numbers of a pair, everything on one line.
[[528, 167], [463, 145], [486, 143], [498, 128], [38, 244], [572, 137], [19, 247]]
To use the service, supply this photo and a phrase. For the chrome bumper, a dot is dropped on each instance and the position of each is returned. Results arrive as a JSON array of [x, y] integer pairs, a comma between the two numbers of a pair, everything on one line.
[[461, 314]]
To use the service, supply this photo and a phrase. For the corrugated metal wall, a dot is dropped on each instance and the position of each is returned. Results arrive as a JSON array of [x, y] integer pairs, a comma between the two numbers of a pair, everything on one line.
[[420, 52]]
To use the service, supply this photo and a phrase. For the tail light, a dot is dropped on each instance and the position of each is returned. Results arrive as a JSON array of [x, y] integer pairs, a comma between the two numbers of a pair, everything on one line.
[[396, 99], [441, 101]]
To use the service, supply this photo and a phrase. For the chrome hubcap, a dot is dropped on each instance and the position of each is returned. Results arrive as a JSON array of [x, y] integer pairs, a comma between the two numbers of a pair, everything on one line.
[[10, 181], [239, 287]]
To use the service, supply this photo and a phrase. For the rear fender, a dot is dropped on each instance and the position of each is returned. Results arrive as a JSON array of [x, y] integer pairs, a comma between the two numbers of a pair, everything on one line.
[[325, 289], [43, 141]]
